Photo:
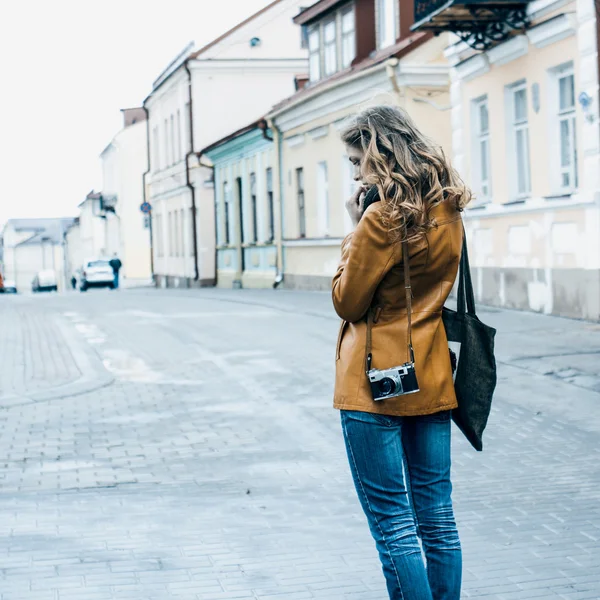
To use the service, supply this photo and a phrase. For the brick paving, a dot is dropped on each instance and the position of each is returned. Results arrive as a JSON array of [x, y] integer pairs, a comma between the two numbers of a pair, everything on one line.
[[33, 351], [213, 466]]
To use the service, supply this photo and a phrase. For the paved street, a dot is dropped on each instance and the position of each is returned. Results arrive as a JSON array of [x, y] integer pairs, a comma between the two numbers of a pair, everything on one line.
[[181, 444]]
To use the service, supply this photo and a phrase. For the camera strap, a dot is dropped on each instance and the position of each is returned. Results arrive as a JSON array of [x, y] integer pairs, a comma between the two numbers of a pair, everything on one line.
[[408, 291]]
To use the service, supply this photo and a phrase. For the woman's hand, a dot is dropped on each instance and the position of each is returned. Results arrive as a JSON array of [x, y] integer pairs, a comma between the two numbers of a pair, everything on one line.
[[354, 205]]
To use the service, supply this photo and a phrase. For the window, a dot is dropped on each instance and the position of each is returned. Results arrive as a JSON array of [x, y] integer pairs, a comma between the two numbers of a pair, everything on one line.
[[253, 207], [181, 232], [567, 131], [172, 139], [387, 22], [186, 133], [158, 234], [520, 139], [155, 149], [348, 187], [348, 38], [226, 198], [481, 149], [166, 145], [240, 198], [270, 205], [301, 207], [170, 223], [314, 53], [330, 46], [323, 199], [332, 43], [178, 137], [177, 229], [192, 241]]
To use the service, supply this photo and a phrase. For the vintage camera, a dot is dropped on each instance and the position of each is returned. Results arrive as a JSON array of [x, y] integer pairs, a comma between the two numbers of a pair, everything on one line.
[[397, 381]]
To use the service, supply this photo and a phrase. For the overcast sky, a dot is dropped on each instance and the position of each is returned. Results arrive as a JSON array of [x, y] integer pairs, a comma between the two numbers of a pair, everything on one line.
[[67, 68]]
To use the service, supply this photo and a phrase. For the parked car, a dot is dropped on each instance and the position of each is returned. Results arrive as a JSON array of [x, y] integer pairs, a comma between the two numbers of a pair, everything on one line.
[[8, 287], [96, 272], [44, 281]]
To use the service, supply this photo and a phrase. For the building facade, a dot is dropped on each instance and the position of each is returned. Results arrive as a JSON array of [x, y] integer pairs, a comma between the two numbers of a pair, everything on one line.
[[526, 137], [33, 245], [200, 98], [97, 238], [362, 53], [124, 162], [245, 208]]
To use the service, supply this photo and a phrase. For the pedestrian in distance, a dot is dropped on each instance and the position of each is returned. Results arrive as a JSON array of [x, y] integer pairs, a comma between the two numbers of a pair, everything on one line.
[[116, 265], [394, 378]]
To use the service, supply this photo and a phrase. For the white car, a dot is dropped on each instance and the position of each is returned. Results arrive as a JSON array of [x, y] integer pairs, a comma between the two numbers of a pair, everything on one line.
[[96, 272], [9, 287], [44, 281]]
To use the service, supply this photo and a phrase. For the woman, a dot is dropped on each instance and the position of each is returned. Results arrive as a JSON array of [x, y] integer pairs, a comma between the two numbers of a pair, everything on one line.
[[399, 448]]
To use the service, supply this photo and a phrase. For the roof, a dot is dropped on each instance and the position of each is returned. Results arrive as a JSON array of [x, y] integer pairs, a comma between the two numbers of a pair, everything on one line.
[[234, 29], [396, 51], [260, 124], [315, 11], [52, 229], [178, 61]]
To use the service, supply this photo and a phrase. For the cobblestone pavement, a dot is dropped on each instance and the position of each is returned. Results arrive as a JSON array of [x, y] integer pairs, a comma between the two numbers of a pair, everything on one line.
[[203, 459]]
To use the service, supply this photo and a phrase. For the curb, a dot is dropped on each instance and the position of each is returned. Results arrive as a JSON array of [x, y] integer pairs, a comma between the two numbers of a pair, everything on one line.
[[93, 376]]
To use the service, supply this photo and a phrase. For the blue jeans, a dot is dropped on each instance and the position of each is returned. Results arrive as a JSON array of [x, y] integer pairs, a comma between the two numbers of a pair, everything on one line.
[[401, 470], [116, 279]]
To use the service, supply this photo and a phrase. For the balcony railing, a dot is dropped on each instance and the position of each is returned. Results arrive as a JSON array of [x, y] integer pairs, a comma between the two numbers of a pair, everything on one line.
[[480, 23]]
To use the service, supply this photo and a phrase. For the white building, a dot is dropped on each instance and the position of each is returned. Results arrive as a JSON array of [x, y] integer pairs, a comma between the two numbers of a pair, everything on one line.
[[200, 98], [92, 228], [33, 245], [110, 222], [124, 162]]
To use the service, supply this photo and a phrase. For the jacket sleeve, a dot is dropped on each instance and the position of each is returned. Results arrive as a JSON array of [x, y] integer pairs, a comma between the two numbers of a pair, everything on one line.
[[367, 256]]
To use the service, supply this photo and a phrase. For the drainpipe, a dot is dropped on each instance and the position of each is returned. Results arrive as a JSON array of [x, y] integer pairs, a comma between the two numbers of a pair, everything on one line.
[[277, 137], [187, 170], [144, 192], [390, 69], [214, 196]]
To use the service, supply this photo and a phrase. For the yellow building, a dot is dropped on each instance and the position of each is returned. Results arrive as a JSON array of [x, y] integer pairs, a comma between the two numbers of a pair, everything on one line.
[[360, 53], [526, 137]]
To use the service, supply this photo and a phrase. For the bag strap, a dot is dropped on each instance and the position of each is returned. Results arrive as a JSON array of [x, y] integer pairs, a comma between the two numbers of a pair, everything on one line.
[[466, 296], [408, 291]]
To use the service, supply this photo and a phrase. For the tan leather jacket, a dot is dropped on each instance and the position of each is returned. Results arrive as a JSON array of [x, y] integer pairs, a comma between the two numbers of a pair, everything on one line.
[[371, 278]]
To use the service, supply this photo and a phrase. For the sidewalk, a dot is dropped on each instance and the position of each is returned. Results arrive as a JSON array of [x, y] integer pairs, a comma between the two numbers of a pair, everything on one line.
[[41, 357]]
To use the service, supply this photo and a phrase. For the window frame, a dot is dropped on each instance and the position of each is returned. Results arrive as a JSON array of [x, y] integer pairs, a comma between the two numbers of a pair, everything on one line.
[[514, 129], [166, 146], [317, 56], [331, 46], [479, 138], [345, 10], [568, 115], [394, 5], [315, 52], [178, 136], [226, 212], [301, 202], [270, 202], [323, 208], [253, 208]]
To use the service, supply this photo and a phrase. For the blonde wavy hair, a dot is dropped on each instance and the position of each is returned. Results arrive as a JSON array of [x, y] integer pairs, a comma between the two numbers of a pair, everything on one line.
[[411, 173]]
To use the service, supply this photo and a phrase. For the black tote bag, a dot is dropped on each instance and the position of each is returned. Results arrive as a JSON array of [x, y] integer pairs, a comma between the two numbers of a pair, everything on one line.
[[471, 345]]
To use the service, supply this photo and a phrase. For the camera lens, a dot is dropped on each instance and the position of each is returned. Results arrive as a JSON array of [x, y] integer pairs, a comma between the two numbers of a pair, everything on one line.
[[386, 386]]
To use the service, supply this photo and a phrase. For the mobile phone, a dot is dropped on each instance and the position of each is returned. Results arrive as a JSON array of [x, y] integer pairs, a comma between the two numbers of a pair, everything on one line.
[[371, 196]]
